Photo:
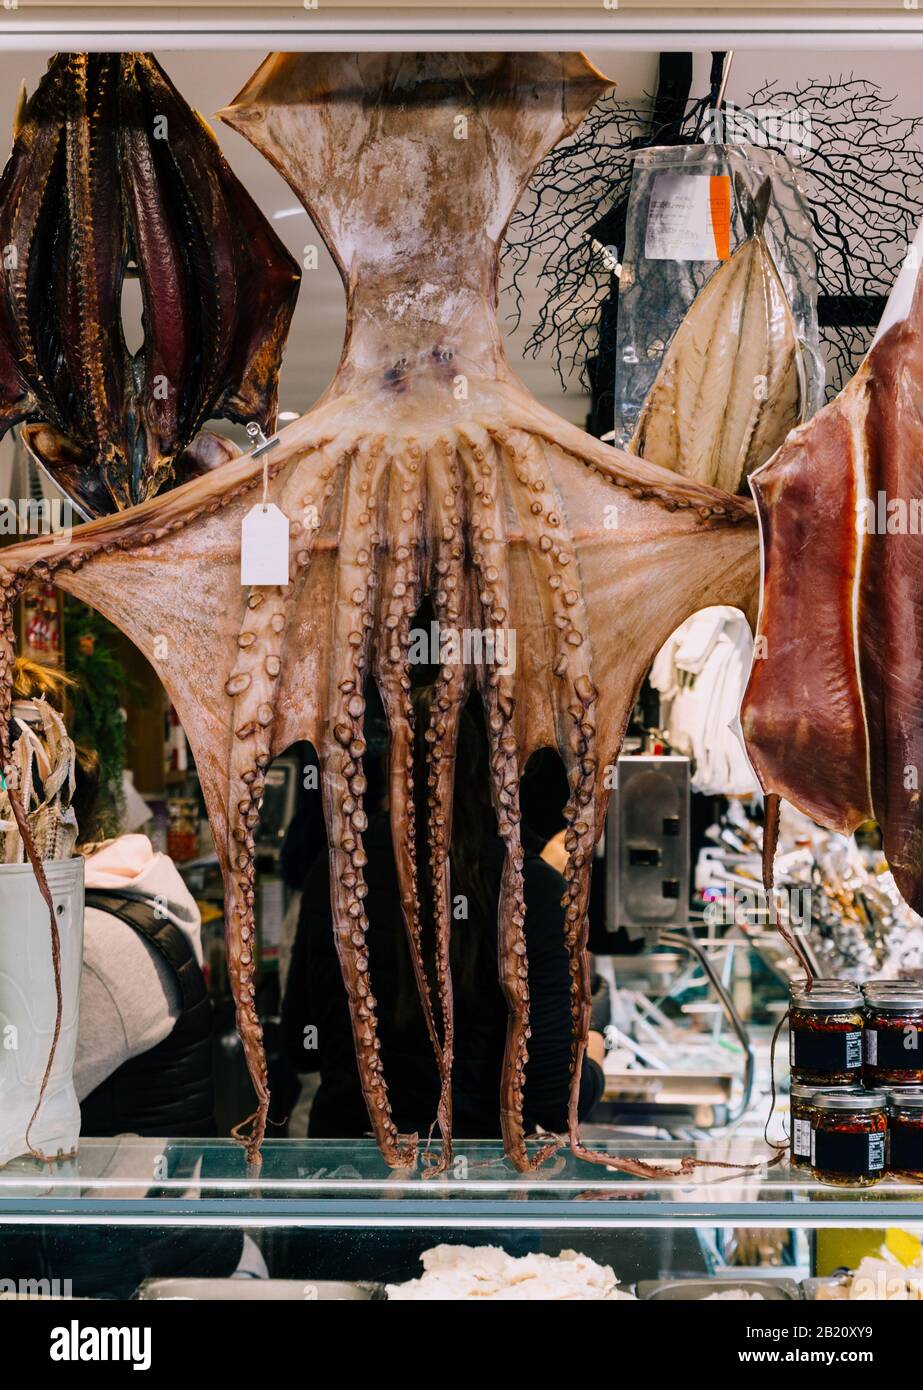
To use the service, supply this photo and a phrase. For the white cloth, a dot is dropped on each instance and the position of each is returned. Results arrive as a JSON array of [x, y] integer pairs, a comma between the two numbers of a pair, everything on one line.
[[135, 810], [129, 997], [700, 672]]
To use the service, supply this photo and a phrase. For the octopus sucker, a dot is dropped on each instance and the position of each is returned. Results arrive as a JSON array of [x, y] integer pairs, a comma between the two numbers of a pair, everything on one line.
[[402, 483]]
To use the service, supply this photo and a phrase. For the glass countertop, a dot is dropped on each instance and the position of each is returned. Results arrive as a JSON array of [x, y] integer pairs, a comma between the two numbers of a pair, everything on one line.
[[333, 1181]]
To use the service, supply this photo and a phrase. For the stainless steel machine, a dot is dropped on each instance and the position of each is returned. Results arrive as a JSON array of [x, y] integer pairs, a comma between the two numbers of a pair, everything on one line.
[[647, 845], [647, 893]]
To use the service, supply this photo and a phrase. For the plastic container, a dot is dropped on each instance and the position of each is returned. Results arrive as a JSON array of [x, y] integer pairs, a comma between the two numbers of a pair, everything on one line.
[[28, 1008], [663, 271]]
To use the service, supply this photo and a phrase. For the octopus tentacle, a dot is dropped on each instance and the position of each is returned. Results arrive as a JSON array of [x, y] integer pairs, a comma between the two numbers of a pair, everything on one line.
[[402, 588], [252, 688], [48, 560], [574, 696], [341, 751], [642, 480], [448, 588], [489, 543]]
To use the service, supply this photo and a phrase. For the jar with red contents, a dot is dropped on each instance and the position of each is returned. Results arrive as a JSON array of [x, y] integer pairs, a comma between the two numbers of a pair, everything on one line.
[[849, 1138], [801, 1119], [893, 1034], [825, 1035], [800, 1125], [905, 1132]]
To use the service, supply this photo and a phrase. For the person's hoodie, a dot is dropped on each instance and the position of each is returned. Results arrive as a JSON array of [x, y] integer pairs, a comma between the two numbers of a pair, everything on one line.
[[129, 998]]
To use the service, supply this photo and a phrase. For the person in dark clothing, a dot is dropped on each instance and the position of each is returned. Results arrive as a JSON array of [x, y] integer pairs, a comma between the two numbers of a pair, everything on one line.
[[315, 1017]]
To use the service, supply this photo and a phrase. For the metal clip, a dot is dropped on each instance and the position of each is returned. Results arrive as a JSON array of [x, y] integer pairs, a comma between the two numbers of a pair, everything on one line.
[[262, 445]]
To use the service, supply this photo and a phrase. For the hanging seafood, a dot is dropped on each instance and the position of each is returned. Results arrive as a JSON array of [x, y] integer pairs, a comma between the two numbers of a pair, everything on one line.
[[113, 175], [832, 714], [426, 469], [44, 764], [731, 383]]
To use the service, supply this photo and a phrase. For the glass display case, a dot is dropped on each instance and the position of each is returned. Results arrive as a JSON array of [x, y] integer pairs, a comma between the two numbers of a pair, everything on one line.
[[322, 1220], [136, 1217]]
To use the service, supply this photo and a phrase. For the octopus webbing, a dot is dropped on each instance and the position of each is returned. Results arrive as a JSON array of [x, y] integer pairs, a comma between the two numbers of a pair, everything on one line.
[[426, 470], [112, 175]]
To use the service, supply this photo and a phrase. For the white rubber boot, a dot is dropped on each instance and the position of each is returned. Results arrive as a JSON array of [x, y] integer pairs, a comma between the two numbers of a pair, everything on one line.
[[27, 1008]]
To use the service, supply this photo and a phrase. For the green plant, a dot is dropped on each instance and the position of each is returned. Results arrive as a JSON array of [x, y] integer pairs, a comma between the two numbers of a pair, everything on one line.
[[91, 646]]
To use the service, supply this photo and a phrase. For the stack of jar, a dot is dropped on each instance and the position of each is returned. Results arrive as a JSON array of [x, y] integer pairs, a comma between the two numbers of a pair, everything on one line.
[[857, 1080]]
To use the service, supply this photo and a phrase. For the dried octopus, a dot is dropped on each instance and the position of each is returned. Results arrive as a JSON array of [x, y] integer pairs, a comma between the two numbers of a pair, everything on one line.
[[113, 176], [426, 469]]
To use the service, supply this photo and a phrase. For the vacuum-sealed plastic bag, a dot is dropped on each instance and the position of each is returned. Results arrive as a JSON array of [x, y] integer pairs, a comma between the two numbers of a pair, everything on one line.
[[717, 354]]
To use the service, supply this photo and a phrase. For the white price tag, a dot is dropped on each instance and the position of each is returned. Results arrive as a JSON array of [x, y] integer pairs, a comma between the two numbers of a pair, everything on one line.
[[802, 1137], [264, 546], [688, 218]]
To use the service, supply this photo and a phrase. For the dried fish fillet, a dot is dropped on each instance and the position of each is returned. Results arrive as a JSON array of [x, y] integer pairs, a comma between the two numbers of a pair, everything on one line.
[[731, 384]]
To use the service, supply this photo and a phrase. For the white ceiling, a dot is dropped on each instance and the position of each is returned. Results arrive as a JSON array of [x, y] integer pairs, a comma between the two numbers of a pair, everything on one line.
[[210, 81]]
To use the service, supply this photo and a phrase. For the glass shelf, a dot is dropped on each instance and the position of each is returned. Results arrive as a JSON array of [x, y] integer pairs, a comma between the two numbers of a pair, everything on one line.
[[325, 1182]]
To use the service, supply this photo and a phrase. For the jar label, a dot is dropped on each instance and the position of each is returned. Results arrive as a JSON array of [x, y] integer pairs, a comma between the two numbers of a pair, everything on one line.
[[801, 1138], [838, 1151], [813, 1050], [906, 1144], [895, 1049]]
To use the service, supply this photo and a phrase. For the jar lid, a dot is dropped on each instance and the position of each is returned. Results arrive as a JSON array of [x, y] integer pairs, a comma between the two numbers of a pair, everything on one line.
[[857, 1100], [831, 1000], [886, 981], [798, 1091], [843, 986], [871, 985], [906, 1097], [900, 997], [801, 1090]]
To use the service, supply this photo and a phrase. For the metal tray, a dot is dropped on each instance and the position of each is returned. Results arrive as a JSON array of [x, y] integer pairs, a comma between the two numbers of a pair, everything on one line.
[[261, 1290], [668, 1088], [671, 1290]]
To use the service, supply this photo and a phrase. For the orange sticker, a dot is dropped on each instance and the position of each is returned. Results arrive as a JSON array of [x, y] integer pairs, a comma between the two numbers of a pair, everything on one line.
[[719, 198]]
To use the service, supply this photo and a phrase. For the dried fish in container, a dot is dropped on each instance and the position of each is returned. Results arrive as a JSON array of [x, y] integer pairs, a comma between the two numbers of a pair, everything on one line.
[[732, 382], [43, 761]]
